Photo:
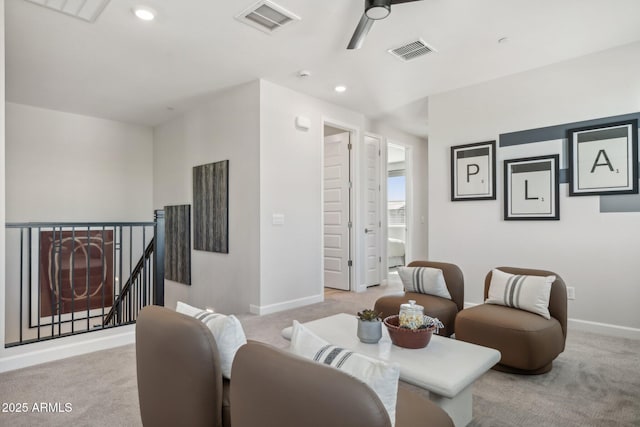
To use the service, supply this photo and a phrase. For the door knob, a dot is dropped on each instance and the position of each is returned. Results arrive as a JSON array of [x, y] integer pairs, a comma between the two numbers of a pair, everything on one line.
[[366, 230]]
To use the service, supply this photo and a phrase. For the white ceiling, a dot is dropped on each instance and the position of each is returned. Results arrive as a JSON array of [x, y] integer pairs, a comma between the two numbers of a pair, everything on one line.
[[124, 69]]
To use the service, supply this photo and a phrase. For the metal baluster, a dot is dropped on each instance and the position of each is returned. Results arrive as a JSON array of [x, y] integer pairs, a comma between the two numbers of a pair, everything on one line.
[[52, 286], [129, 295], [144, 266], [103, 277], [73, 279], [21, 278], [39, 292], [88, 283], [120, 305]]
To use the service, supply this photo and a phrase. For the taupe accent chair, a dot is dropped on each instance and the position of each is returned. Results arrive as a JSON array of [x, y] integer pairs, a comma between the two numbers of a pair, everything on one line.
[[442, 308], [274, 388], [179, 378], [527, 342]]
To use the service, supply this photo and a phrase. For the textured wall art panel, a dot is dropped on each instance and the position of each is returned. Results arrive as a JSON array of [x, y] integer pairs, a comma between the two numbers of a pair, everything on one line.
[[177, 254], [211, 207]]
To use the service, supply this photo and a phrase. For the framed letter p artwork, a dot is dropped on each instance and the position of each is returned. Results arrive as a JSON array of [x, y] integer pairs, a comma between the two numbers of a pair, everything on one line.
[[473, 171], [531, 188]]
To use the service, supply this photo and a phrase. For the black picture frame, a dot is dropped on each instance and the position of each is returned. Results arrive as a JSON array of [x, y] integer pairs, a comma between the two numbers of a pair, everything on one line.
[[532, 188], [603, 159], [473, 171]]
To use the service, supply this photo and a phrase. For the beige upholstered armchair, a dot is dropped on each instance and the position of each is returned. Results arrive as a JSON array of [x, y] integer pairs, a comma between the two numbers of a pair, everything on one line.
[[179, 378], [527, 342], [275, 388], [434, 306]]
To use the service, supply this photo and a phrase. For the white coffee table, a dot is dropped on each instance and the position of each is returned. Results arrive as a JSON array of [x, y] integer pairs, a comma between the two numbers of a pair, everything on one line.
[[446, 368]]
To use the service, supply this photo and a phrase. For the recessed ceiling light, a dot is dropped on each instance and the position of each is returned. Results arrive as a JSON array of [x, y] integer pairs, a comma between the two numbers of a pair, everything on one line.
[[144, 12], [340, 88]]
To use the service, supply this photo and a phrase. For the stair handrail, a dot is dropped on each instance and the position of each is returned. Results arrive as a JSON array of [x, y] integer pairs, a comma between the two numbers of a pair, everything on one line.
[[115, 308]]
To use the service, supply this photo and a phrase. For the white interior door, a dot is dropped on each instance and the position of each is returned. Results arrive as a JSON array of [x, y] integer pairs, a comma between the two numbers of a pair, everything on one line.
[[336, 212], [372, 231]]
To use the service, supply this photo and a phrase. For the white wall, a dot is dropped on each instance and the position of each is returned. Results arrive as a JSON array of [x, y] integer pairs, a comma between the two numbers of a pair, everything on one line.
[[2, 182], [226, 127], [291, 184], [594, 252], [418, 162], [68, 167]]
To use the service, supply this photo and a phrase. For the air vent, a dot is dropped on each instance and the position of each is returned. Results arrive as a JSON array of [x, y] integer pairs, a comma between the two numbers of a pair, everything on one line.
[[411, 50], [267, 16], [87, 10]]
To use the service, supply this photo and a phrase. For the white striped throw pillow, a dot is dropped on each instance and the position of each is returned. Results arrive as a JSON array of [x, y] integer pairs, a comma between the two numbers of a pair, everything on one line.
[[424, 280], [227, 331], [382, 377], [530, 293]]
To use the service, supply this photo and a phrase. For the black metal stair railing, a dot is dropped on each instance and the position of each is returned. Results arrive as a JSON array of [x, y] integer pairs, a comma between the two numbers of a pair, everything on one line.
[[134, 294], [67, 278]]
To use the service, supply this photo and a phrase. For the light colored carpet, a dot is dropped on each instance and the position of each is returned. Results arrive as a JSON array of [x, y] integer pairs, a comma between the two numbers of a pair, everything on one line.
[[595, 382]]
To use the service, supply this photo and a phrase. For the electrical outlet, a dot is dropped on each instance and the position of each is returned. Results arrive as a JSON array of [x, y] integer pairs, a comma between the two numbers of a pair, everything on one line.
[[571, 292]]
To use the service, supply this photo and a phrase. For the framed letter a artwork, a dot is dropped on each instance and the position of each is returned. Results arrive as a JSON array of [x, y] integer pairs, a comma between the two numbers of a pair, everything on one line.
[[603, 159], [531, 188], [473, 171]]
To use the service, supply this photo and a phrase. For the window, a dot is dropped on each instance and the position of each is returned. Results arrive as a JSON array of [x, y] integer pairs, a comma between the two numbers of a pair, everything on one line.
[[396, 205]]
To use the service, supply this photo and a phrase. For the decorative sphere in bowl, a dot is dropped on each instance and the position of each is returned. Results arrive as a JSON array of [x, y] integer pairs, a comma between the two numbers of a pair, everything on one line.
[[405, 337]]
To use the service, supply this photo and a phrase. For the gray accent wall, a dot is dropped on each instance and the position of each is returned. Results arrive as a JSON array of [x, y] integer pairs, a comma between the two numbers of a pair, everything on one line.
[[608, 204], [620, 203], [556, 132]]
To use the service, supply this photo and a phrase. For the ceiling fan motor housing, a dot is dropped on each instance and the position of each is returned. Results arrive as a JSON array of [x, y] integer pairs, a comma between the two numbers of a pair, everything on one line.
[[377, 9]]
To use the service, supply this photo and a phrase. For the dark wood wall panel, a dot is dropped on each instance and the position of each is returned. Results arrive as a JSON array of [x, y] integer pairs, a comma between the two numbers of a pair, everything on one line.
[[177, 255], [211, 207]]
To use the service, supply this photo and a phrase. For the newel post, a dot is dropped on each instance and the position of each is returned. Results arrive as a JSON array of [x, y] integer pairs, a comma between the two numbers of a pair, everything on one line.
[[158, 258]]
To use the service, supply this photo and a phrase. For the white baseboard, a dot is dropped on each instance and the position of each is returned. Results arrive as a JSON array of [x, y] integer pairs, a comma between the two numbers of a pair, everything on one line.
[[604, 329], [595, 327], [61, 348], [285, 305]]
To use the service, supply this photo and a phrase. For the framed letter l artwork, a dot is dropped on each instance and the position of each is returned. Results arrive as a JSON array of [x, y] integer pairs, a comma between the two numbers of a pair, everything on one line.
[[473, 171], [603, 159], [531, 188]]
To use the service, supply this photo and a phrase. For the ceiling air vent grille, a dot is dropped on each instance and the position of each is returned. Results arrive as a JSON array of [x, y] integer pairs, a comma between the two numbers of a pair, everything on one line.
[[411, 50], [267, 16], [87, 10]]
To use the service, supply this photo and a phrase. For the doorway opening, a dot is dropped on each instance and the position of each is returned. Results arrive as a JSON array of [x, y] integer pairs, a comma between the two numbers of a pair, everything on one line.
[[337, 207], [397, 206]]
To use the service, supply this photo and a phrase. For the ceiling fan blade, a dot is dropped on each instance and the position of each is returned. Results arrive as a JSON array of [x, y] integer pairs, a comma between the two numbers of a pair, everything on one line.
[[402, 1], [360, 33]]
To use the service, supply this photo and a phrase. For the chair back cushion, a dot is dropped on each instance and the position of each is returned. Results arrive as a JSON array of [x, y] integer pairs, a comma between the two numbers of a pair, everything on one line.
[[274, 388], [382, 377], [178, 368], [424, 280], [530, 293], [557, 296], [452, 276], [227, 332]]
